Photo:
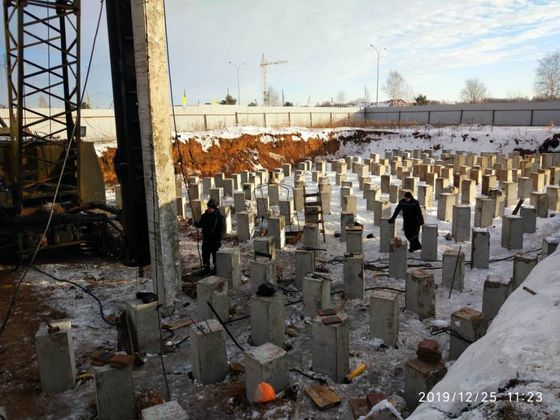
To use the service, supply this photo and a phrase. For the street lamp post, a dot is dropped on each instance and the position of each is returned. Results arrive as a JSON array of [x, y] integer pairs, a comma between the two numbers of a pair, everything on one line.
[[377, 85], [237, 66]]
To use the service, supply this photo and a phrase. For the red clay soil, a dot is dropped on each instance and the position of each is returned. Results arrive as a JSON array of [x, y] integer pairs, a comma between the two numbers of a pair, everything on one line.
[[234, 155]]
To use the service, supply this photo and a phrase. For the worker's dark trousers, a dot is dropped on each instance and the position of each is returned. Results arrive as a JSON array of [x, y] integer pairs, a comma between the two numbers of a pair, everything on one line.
[[209, 248], [412, 233]]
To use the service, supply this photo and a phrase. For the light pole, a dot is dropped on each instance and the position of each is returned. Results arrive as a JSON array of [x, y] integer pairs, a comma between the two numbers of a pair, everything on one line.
[[377, 85], [238, 90]]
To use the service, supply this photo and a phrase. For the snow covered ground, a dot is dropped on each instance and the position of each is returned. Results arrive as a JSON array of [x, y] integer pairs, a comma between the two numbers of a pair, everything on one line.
[[515, 336]]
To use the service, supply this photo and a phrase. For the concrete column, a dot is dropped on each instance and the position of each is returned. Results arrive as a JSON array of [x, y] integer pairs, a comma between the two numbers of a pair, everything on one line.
[[468, 324], [353, 275], [286, 210], [411, 183], [305, 264], [264, 247], [394, 193], [524, 187], [385, 183], [354, 239], [277, 229], [429, 242], [207, 184], [266, 363], [480, 248], [195, 191], [512, 232], [212, 289], [496, 291], [384, 316], [553, 197], [152, 86], [245, 226], [381, 209], [316, 294], [228, 187], [537, 180], [267, 319], [198, 207], [529, 216], [468, 191], [344, 191], [441, 185], [298, 199], [483, 212], [262, 271], [510, 190], [239, 201], [489, 182], [523, 264], [420, 296], [386, 234], [445, 207], [248, 190], [228, 266], [287, 168], [219, 179], [420, 377], [114, 393], [326, 202], [226, 212], [550, 243], [311, 237], [540, 201], [263, 207], [340, 178], [55, 355], [426, 195], [461, 226], [362, 180], [144, 327], [331, 347], [350, 204], [346, 220], [398, 255], [208, 352], [453, 269]]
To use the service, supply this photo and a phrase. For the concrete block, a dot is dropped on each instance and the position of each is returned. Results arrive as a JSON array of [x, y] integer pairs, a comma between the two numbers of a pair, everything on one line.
[[198, 207], [262, 271], [539, 200], [420, 296], [207, 184], [266, 363], [114, 393], [229, 187], [510, 190], [537, 181], [316, 294], [226, 212], [496, 291], [340, 178], [353, 275], [245, 226], [305, 264], [524, 187], [445, 207], [277, 229], [470, 325], [484, 212], [264, 246], [195, 191], [167, 410], [212, 289], [354, 239], [263, 207], [286, 210], [461, 226], [384, 316], [312, 214], [385, 182], [287, 168], [208, 352], [216, 194], [394, 193], [249, 190], [228, 266], [523, 264], [453, 269], [331, 347], [267, 319], [419, 378], [426, 196], [468, 191], [550, 243], [553, 197], [381, 209], [489, 182], [350, 204], [143, 321], [55, 355], [298, 199], [344, 191], [386, 234], [326, 198], [429, 242], [219, 180], [311, 237], [529, 216], [398, 259], [512, 232], [480, 248]]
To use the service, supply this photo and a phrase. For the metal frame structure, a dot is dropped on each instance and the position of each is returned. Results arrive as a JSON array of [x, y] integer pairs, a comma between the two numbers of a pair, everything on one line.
[[43, 61]]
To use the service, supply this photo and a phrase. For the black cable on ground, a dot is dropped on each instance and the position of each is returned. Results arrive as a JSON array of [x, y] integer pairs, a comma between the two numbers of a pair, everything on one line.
[[164, 372], [225, 328], [313, 378], [81, 288], [449, 331], [59, 182]]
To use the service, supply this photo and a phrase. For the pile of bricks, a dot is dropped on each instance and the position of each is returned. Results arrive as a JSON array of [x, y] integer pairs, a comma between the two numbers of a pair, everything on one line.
[[428, 351]]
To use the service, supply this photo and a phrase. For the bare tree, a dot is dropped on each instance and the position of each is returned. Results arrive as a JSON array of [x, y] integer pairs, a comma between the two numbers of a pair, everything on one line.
[[547, 82], [474, 91], [396, 86]]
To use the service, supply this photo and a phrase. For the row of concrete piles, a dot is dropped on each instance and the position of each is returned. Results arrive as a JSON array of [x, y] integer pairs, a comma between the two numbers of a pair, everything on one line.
[[450, 180]]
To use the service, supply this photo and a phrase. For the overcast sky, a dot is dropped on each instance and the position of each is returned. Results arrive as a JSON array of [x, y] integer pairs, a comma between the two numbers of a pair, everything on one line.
[[435, 44]]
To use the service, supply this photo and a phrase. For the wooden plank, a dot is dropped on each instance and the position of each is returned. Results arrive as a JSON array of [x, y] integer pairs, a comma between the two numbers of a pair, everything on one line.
[[323, 396]]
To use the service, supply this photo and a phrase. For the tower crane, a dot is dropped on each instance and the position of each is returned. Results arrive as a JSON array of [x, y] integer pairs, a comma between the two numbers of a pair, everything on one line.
[[264, 69]]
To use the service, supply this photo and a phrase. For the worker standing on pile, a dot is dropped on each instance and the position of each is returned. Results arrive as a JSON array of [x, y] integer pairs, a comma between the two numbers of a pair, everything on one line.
[[213, 226], [412, 219]]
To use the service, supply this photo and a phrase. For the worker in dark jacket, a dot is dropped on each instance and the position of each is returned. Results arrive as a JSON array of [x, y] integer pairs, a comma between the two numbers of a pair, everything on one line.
[[213, 226], [412, 220]]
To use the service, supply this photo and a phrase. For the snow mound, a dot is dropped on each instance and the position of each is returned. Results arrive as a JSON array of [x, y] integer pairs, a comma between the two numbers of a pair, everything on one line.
[[517, 359]]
